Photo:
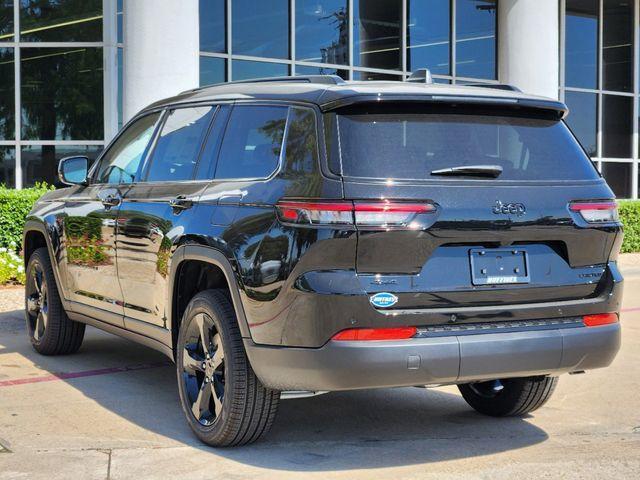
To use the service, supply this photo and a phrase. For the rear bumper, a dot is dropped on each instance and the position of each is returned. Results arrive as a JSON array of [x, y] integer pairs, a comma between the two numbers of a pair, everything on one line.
[[437, 360]]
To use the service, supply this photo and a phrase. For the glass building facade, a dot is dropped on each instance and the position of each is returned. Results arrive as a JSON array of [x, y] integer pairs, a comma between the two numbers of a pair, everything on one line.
[[62, 65]]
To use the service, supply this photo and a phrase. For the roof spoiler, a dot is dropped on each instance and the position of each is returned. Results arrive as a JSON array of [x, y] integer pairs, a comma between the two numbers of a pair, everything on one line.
[[552, 106]]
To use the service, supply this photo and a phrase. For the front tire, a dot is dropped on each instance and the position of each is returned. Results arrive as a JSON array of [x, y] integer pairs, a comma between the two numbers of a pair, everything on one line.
[[50, 330], [223, 400], [509, 397]]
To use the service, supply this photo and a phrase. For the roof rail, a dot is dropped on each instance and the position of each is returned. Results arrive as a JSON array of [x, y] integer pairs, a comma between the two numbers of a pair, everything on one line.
[[324, 79], [422, 75], [495, 86]]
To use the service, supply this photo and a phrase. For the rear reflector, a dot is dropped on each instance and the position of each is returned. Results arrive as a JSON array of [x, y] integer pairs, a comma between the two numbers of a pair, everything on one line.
[[596, 212], [356, 334], [372, 214], [600, 319]]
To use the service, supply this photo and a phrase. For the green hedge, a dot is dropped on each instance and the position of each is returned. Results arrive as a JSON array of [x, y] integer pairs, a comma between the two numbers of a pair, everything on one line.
[[630, 216], [14, 207]]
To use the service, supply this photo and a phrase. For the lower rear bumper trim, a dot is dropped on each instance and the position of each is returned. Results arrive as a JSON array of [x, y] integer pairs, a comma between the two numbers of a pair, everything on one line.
[[434, 360]]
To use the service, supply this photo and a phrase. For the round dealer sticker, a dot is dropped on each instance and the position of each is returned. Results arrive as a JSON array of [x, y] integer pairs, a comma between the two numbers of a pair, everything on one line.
[[383, 300]]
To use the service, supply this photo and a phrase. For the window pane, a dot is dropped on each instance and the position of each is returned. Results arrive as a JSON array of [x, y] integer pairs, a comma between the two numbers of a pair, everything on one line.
[[583, 119], [6, 20], [212, 70], [176, 152], [261, 28], [120, 163], [40, 163], [581, 50], [209, 157], [376, 34], [476, 38], [302, 144], [617, 126], [61, 20], [428, 32], [617, 54], [246, 69], [402, 142], [62, 93], [306, 70], [618, 176], [120, 21], [322, 31], [213, 35], [252, 142], [7, 166], [7, 94], [371, 76]]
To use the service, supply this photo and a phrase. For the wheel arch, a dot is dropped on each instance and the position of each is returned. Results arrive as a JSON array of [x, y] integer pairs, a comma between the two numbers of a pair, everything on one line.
[[215, 258], [36, 235]]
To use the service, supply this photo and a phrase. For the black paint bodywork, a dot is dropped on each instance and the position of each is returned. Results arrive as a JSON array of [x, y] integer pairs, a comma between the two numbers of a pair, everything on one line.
[[118, 268]]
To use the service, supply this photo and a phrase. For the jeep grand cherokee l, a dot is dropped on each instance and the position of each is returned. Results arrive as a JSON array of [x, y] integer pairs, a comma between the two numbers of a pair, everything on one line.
[[310, 235]]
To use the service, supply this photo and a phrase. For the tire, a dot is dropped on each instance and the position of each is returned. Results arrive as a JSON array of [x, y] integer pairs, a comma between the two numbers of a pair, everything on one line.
[[223, 400], [50, 330], [519, 396]]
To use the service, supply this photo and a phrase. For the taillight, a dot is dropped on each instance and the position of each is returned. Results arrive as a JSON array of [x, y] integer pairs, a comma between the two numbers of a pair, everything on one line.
[[384, 214], [596, 212], [357, 334], [600, 319]]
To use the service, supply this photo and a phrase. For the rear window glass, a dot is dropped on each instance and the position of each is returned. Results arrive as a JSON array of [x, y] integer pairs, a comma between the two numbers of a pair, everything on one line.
[[409, 146]]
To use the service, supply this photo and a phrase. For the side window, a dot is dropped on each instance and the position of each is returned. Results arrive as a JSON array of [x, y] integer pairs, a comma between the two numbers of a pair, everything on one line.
[[252, 142], [120, 163], [176, 151], [209, 157], [301, 152]]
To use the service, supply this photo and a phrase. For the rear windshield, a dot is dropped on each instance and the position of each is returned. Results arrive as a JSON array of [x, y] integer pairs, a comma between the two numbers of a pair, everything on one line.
[[409, 146]]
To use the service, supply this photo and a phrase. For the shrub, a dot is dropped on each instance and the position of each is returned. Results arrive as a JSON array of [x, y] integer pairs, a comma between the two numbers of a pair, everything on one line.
[[14, 207], [11, 266], [630, 216]]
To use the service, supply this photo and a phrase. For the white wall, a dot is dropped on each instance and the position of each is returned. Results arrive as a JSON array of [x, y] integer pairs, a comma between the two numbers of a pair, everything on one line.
[[528, 45], [161, 51]]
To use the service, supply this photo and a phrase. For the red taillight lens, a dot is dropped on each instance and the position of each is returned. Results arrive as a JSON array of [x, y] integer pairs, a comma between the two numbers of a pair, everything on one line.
[[372, 214], [600, 319], [596, 212], [357, 334]]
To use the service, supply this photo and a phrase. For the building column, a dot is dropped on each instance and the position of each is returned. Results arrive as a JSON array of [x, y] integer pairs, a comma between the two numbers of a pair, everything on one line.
[[161, 43], [528, 45]]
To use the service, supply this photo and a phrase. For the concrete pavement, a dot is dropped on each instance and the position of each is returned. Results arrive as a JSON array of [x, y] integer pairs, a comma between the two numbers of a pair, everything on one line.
[[111, 411]]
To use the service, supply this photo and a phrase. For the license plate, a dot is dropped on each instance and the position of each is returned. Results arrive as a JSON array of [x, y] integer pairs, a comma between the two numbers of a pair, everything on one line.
[[498, 266]]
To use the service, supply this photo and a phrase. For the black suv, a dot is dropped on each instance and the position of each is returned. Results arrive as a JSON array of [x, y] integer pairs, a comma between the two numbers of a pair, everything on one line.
[[295, 236]]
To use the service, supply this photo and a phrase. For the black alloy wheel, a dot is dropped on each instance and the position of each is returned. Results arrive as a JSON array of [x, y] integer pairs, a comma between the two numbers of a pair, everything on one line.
[[203, 369]]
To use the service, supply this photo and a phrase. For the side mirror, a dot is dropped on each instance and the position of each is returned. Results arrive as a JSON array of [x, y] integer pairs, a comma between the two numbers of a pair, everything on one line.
[[73, 170]]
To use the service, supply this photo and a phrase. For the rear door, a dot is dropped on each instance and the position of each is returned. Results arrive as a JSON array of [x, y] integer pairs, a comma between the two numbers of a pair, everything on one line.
[[156, 211], [498, 233]]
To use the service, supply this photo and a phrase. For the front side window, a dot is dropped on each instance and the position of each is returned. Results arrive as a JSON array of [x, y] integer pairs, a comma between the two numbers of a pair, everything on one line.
[[252, 142], [121, 162], [176, 152], [416, 146]]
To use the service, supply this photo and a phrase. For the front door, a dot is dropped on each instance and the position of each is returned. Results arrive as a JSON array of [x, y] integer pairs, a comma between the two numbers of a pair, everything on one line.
[[89, 249], [90, 224]]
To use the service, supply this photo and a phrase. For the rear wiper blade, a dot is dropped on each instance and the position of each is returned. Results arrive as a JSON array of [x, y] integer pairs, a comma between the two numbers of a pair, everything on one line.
[[492, 171]]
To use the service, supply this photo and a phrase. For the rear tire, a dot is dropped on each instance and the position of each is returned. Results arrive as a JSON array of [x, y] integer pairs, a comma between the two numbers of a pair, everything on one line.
[[518, 396], [223, 400], [50, 330]]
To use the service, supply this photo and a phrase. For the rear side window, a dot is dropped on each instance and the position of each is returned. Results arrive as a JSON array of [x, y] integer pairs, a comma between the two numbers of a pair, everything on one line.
[[252, 142], [410, 146], [121, 162], [176, 151]]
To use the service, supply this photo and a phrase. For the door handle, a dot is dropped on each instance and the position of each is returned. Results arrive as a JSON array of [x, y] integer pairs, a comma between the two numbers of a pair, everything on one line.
[[180, 203], [110, 200]]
